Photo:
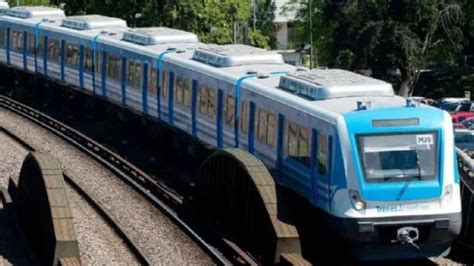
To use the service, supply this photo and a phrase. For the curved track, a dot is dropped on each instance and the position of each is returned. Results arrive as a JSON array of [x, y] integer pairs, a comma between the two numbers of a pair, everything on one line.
[[135, 250], [152, 190]]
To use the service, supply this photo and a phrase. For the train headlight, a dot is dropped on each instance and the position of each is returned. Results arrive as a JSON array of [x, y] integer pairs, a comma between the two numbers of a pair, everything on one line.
[[447, 195], [356, 201]]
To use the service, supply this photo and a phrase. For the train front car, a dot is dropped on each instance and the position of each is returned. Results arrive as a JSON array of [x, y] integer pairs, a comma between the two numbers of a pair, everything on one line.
[[400, 197]]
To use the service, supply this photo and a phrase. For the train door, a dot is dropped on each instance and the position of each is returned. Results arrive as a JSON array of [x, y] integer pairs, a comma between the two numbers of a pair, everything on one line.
[[321, 147]]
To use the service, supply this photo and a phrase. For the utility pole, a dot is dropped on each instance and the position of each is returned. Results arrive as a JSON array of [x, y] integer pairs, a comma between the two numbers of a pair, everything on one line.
[[311, 56]]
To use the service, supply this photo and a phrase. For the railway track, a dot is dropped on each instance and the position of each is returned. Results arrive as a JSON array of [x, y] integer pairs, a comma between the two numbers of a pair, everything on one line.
[[155, 192], [97, 206]]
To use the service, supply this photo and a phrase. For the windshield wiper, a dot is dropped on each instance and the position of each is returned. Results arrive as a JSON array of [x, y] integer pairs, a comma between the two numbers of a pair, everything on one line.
[[407, 184]]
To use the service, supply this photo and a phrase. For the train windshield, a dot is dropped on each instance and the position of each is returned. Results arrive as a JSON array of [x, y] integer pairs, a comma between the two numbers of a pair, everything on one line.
[[397, 158]]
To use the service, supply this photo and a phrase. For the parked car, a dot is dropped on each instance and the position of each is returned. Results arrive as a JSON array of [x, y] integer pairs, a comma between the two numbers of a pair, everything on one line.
[[464, 139], [455, 107], [468, 123], [459, 117], [423, 100], [453, 100]]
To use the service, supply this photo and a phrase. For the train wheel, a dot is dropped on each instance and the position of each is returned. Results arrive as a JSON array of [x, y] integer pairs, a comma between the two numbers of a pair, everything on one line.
[[240, 195]]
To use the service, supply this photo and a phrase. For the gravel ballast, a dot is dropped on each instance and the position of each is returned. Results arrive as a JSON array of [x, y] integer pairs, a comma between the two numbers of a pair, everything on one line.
[[159, 238]]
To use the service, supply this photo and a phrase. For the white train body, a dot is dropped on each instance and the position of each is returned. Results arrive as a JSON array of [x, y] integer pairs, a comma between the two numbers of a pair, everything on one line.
[[378, 166]]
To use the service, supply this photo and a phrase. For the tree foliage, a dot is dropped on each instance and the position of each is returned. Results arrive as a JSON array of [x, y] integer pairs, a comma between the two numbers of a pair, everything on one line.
[[29, 2], [322, 28], [386, 37], [469, 26], [212, 20]]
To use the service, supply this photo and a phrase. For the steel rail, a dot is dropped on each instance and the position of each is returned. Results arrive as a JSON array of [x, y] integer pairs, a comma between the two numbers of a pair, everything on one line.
[[98, 207], [140, 181]]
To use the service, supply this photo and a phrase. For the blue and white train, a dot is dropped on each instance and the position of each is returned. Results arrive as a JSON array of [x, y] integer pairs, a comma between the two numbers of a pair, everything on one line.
[[383, 169]]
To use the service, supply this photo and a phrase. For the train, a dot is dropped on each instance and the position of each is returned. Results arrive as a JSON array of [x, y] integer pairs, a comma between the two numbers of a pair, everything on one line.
[[381, 168]]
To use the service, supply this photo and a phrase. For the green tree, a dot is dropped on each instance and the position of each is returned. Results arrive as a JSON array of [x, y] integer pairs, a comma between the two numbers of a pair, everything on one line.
[[12, 3], [265, 34], [387, 37], [322, 27], [212, 20], [469, 26], [219, 18]]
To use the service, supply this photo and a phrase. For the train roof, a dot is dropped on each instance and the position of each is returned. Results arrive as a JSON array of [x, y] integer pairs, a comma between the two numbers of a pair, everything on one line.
[[91, 22], [4, 5], [26, 12], [235, 55], [322, 84], [158, 35], [325, 92]]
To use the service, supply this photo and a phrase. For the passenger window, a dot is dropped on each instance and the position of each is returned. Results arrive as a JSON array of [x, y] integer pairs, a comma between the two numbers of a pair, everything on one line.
[[134, 70], [183, 94], [17, 40], [265, 124], [244, 116], [261, 125], [271, 129], [212, 103], [31, 45], [229, 110], [53, 50], [2, 37], [88, 59], [207, 101], [153, 81], [297, 143], [292, 140], [164, 88], [322, 154], [98, 62], [203, 95], [114, 66], [72, 54]]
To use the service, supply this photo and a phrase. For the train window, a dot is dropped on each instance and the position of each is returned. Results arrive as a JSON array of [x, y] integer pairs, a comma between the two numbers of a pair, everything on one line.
[[229, 110], [31, 45], [322, 154], [53, 50], [271, 129], [261, 125], [183, 91], [297, 143], [292, 140], [244, 116], [207, 101], [203, 99], [265, 124], [211, 111], [114, 66], [152, 80], [88, 59], [98, 62], [164, 88], [17, 40], [72, 54], [134, 78], [2, 37], [187, 94]]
